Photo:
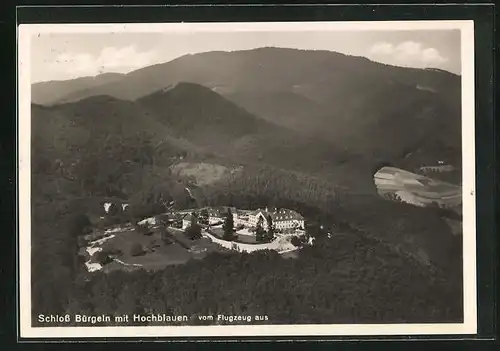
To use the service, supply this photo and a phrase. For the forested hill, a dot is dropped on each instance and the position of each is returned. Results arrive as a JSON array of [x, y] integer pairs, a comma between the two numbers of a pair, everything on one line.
[[191, 118], [360, 106]]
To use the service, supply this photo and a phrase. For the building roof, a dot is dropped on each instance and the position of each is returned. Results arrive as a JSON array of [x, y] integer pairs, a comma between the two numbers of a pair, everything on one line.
[[180, 215], [167, 216], [188, 217], [276, 214], [282, 214], [286, 215], [221, 211], [213, 213]]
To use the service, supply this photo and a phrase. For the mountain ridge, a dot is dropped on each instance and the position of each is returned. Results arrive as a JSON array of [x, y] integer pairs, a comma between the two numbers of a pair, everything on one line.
[[329, 55], [49, 92]]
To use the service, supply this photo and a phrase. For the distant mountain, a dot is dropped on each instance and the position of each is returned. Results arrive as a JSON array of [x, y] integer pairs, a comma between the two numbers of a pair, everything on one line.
[[47, 93], [270, 70], [366, 108]]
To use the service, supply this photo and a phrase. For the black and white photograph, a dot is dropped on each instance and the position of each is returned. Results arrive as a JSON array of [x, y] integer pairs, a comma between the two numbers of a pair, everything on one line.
[[246, 179]]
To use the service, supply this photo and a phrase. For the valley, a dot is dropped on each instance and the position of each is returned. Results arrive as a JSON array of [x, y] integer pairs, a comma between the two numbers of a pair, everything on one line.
[[416, 189]]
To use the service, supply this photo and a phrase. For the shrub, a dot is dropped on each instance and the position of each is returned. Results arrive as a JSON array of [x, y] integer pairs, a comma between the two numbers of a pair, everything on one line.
[[155, 244], [115, 252], [163, 219], [111, 220], [142, 229], [114, 210], [177, 223], [136, 250], [193, 232], [103, 257], [82, 241], [204, 216], [166, 236], [296, 241], [152, 246], [79, 224], [87, 230]]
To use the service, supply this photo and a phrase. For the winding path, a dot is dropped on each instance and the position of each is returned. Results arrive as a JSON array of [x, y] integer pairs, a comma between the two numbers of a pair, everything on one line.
[[128, 264]]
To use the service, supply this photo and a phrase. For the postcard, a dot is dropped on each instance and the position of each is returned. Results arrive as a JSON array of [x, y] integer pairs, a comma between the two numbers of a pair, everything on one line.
[[258, 179]]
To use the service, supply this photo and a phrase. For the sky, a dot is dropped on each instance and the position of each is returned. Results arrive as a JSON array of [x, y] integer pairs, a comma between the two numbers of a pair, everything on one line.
[[61, 56]]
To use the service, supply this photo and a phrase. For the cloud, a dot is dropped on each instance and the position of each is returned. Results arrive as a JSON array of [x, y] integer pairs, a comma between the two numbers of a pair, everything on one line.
[[110, 59], [408, 53]]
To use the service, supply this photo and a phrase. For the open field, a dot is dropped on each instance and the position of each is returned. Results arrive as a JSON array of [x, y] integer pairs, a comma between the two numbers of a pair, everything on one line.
[[242, 238], [198, 248], [417, 189], [203, 173], [156, 253], [246, 239]]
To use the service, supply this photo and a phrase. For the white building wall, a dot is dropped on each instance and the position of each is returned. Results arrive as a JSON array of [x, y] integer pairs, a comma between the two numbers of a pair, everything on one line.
[[213, 220], [107, 205], [281, 244], [151, 221], [287, 224], [254, 218]]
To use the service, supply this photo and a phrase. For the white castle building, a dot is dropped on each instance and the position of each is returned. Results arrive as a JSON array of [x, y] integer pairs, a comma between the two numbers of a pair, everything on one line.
[[282, 219], [219, 214]]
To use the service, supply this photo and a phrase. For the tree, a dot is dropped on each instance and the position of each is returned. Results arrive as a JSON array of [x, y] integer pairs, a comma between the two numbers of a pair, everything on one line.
[[228, 226], [204, 216], [165, 236], [193, 232], [260, 233], [113, 210], [79, 224], [81, 241], [270, 228]]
